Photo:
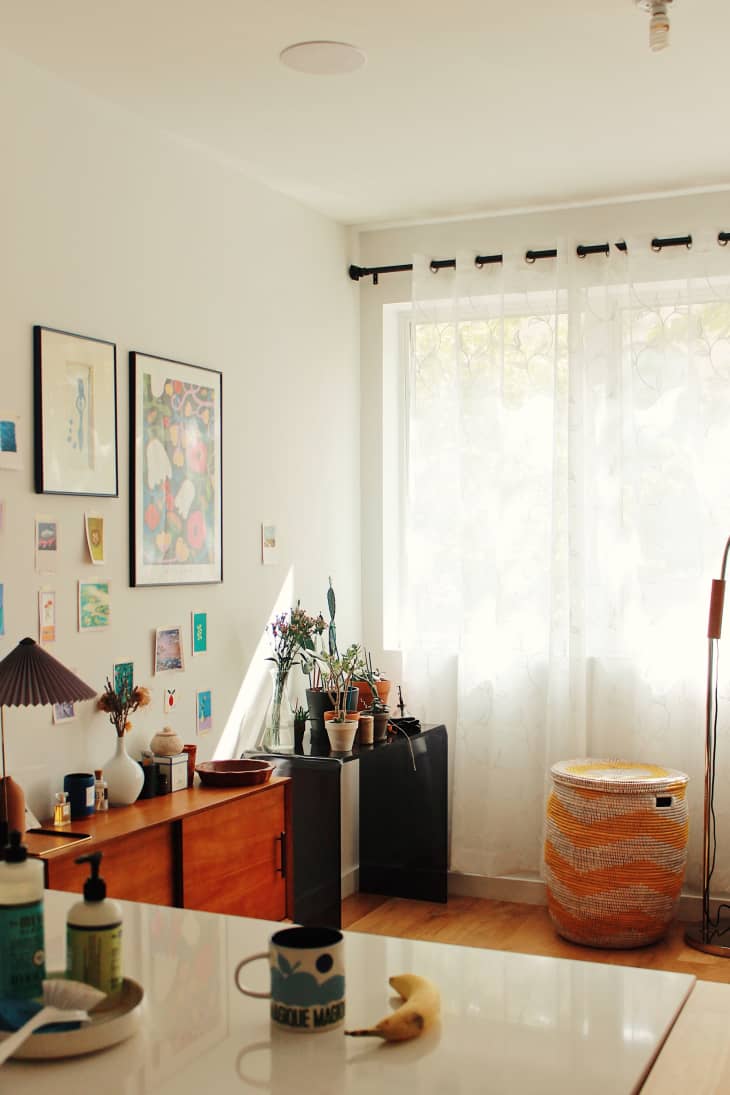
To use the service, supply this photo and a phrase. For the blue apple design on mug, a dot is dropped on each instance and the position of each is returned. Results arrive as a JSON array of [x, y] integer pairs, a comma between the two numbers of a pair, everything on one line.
[[299, 1000]]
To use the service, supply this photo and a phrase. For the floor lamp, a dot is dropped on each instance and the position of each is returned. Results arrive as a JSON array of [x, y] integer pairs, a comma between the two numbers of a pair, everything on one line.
[[712, 935], [30, 676]]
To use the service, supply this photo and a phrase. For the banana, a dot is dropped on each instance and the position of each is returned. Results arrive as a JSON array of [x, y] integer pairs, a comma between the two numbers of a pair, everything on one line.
[[419, 1010]]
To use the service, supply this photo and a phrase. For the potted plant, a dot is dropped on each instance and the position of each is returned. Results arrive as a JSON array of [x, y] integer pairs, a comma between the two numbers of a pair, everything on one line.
[[337, 672], [313, 662], [370, 682], [300, 724]]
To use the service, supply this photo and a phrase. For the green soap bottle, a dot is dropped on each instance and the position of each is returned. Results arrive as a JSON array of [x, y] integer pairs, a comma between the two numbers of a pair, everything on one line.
[[22, 955], [94, 934]]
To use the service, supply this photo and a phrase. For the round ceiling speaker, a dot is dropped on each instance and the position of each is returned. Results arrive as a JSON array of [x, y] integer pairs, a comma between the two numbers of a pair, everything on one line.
[[322, 58]]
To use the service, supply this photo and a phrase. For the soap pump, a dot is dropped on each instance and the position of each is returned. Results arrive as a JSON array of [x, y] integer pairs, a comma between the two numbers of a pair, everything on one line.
[[94, 934]]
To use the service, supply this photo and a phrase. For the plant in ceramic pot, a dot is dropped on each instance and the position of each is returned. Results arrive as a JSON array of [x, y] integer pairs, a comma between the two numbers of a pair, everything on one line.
[[123, 775], [337, 673], [370, 682]]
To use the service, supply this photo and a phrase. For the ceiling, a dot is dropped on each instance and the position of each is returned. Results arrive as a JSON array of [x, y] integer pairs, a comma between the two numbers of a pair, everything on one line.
[[463, 106]]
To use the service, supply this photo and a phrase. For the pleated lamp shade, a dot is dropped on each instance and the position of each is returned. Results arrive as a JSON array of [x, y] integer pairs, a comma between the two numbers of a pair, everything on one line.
[[30, 676]]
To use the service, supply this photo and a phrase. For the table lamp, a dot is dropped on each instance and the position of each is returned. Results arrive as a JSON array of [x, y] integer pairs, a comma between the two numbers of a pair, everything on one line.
[[30, 676], [712, 934]]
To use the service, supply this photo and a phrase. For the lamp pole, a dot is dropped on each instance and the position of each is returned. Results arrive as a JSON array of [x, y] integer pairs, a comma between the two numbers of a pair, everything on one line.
[[708, 935]]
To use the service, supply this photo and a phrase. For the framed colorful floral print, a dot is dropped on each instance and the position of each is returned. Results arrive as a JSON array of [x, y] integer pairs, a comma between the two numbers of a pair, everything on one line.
[[176, 476], [75, 397]]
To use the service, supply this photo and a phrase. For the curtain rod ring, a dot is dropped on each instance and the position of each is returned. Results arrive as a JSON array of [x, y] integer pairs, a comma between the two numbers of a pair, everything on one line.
[[479, 264], [722, 239], [529, 258], [656, 245]]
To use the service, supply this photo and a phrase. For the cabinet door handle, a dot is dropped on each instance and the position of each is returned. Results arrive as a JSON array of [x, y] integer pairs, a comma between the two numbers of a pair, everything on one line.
[[282, 868]]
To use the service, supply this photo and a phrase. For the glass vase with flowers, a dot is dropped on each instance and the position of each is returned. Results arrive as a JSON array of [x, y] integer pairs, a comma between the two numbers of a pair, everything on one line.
[[291, 633]]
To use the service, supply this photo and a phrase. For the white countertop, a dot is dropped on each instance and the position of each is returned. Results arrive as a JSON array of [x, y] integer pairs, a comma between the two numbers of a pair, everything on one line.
[[510, 1023]]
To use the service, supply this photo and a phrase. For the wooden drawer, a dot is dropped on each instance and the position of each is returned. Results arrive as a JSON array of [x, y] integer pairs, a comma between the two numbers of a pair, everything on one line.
[[232, 857], [137, 867]]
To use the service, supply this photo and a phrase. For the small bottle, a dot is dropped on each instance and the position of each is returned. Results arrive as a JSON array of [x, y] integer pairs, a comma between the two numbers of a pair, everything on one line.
[[61, 810], [101, 792], [22, 953], [94, 934]]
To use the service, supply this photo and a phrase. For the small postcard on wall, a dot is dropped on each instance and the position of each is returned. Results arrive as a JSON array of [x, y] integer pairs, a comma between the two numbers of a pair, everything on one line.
[[94, 606], [46, 616], [123, 676], [64, 712], [95, 537], [203, 711], [269, 546], [168, 649], [9, 449], [200, 632], [46, 545]]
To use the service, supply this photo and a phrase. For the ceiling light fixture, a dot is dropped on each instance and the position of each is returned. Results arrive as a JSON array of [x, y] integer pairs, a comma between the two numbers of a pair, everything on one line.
[[322, 58], [658, 23]]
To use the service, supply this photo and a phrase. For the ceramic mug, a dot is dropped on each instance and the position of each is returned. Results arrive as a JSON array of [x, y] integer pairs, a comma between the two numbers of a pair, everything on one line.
[[307, 979]]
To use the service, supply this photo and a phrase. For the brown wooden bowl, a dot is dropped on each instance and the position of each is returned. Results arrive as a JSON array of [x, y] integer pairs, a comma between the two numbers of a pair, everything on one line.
[[234, 773]]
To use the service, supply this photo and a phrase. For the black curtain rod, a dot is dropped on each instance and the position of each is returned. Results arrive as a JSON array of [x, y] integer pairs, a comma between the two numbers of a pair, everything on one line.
[[583, 249]]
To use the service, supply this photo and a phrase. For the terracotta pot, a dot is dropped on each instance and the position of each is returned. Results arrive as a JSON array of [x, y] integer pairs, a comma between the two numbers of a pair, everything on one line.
[[365, 693], [350, 716], [380, 725], [365, 730], [383, 689]]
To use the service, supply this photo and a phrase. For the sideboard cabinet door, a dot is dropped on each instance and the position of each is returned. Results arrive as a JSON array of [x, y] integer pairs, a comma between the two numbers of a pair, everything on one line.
[[138, 866], [232, 857]]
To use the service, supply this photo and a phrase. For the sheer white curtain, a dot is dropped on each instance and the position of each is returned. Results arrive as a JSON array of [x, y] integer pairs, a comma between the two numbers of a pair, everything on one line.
[[567, 501]]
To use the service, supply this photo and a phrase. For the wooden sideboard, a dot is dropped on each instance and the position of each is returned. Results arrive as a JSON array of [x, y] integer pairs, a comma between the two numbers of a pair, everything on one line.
[[224, 850]]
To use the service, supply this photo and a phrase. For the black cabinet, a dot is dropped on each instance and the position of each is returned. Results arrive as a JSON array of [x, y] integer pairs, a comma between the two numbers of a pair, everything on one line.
[[403, 822]]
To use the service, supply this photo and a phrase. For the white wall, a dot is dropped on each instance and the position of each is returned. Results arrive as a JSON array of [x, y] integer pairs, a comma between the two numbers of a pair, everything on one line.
[[114, 231], [488, 235]]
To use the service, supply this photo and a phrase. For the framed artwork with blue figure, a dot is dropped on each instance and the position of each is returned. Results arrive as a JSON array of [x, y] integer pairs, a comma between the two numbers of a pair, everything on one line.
[[75, 405]]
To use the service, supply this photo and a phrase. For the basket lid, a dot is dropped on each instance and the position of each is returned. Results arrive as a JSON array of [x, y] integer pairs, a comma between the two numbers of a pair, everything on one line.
[[616, 775]]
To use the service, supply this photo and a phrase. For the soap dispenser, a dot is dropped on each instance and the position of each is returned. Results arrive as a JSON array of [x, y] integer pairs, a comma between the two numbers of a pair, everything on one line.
[[94, 934], [22, 957]]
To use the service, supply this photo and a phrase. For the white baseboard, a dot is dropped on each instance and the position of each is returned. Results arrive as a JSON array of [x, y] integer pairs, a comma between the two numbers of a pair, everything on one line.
[[349, 882], [524, 889], [530, 890]]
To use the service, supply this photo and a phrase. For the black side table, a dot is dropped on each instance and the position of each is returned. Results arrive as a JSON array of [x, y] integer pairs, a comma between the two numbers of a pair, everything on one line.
[[403, 821]]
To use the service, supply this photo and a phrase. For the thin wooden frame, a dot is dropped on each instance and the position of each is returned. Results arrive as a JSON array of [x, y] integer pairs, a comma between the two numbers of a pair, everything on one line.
[[176, 478], [75, 410]]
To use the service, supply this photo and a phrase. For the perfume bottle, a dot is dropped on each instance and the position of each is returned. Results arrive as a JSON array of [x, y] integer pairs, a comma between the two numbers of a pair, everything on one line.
[[61, 810], [101, 792]]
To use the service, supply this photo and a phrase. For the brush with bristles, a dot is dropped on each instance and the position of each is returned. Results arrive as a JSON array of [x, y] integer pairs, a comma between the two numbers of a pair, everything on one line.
[[63, 1002]]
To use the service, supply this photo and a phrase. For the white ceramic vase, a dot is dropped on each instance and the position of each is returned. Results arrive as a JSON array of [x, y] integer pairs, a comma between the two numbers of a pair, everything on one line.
[[124, 776]]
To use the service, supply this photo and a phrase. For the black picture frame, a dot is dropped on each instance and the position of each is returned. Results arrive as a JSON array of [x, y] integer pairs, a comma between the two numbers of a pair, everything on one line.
[[175, 472], [75, 414]]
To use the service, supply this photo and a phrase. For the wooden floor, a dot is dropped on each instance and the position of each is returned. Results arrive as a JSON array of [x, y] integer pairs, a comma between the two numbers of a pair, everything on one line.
[[503, 925]]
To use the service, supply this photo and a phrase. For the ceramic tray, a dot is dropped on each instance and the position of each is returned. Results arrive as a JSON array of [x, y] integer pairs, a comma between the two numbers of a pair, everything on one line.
[[114, 1019], [234, 773]]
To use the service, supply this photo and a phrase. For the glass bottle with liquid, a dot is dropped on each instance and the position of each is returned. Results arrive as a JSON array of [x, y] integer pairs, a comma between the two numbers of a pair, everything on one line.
[[61, 810], [101, 792]]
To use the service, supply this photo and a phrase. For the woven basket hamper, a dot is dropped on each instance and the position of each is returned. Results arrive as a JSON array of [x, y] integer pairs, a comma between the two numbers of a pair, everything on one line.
[[615, 850]]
